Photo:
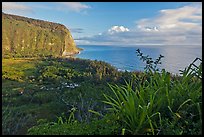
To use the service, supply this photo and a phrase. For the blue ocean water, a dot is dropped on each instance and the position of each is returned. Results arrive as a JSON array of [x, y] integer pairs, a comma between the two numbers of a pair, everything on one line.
[[125, 58]]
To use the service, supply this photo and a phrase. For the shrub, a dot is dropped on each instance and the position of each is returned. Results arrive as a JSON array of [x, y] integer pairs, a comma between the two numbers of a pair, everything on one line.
[[105, 126]]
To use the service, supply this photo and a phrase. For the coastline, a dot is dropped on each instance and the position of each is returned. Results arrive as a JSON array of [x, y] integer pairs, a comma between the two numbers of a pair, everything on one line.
[[72, 54]]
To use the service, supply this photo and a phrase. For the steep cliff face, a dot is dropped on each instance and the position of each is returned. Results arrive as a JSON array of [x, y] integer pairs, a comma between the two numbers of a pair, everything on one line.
[[26, 37]]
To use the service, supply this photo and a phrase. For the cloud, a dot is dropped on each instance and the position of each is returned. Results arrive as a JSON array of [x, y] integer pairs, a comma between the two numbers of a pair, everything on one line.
[[122, 38], [181, 26], [14, 7], [187, 17], [76, 30], [177, 26], [117, 29], [22, 8], [75, 6], [114, 35]]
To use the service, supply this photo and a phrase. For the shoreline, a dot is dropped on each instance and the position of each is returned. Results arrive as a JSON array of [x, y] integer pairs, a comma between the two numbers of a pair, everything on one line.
[[71, 54]]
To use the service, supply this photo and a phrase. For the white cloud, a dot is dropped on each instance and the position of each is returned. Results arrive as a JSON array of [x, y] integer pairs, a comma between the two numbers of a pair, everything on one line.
[[187, 18], [148, 28], [75, 6], [111, 36], [177, 26], [117, 29], [181, 26], [14, 7], [22, 8]]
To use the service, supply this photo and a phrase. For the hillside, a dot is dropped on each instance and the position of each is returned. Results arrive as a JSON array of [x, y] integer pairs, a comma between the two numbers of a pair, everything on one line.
[[26, 37], [71, 96]]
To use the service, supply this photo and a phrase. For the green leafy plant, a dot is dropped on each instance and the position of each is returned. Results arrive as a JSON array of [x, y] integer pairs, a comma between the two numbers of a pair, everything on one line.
[[145, 102], [151, 65], [134, 108]]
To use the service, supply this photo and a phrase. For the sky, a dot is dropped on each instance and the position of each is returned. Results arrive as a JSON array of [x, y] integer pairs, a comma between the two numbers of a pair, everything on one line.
[[120, 23]]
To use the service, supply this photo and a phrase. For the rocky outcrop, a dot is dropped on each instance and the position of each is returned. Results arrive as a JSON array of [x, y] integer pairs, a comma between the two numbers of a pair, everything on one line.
[[26, 37]]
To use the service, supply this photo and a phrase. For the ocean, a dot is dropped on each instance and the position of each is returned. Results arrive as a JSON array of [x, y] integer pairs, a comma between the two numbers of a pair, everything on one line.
[[125, 58]]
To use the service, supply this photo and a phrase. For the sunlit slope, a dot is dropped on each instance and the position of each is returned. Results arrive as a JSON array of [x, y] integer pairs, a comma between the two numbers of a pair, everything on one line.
[[26, 37]]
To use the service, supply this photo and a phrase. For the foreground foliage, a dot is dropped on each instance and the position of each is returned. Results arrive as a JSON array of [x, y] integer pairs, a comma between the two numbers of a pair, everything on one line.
[[36, 88], [56, 96], [158, 104]]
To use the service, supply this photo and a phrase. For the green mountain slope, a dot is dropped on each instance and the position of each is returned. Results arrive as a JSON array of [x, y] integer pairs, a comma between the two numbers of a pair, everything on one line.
[[26, 37]]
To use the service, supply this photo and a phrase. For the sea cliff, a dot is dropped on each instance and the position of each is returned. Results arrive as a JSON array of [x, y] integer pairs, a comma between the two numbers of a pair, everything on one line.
[[27, 37]]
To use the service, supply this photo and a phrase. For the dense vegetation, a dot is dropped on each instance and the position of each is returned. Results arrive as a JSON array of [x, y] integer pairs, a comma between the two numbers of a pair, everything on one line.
[[33, 89], [82, 97], [26, 37]]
